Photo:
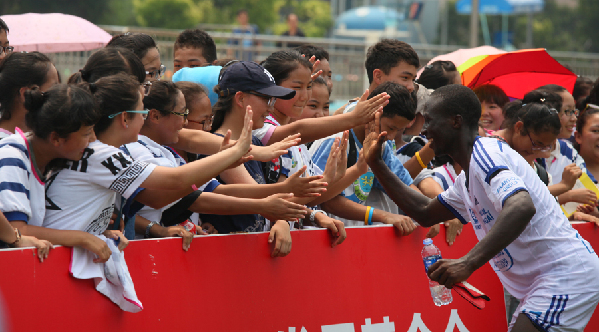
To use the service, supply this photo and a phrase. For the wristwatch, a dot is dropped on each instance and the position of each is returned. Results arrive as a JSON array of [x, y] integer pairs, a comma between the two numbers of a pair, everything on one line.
[[150, 226], [16, 242], [313, 216]]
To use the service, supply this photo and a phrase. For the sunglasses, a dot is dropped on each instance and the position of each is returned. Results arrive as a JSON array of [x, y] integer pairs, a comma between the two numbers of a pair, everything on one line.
[[270, 100], [143, 113], [157, 74], [6, 49]]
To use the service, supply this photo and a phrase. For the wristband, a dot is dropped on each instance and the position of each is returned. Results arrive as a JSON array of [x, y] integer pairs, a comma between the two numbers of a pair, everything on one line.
[[366, 217], [417, 154], [313, 216], [16, 242], [370, 216], [148, 228]]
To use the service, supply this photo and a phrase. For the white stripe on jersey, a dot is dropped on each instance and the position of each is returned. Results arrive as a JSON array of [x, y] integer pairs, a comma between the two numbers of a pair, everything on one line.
[[21, 190], [549, 257], [81, 196]]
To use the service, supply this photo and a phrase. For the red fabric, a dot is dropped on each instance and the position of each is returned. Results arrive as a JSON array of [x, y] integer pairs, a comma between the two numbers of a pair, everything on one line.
[[519, 72]]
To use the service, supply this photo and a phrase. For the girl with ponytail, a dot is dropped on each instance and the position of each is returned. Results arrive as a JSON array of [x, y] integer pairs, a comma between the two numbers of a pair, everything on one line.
[[60, 122], [83, 191], [19, 73]]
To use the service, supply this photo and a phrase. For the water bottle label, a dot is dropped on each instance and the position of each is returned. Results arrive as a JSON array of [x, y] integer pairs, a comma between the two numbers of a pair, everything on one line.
[[430, 260]]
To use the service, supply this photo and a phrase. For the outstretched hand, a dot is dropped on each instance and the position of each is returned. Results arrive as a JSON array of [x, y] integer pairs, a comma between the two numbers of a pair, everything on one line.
[[374, 140], [366, 108]]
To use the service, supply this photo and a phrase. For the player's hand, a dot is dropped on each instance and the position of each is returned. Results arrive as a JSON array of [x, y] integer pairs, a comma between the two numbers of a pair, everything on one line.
[[310, 186], [584, 196], [117, 235], [404, 224], [579, 216], [98, 247], [366, 108], [43, 246], [453, 228], [208, 228], [570, 174], [374, 140], [280, 236], [449, 272], [335, 227], [433, 231]]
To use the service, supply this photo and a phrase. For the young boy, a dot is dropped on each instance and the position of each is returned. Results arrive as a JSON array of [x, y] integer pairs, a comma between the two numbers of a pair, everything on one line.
[[397, 114], [537, 255], [194, 48]]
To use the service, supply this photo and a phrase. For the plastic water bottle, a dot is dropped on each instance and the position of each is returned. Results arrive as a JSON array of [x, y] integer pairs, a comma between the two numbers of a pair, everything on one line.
[[431, 254]]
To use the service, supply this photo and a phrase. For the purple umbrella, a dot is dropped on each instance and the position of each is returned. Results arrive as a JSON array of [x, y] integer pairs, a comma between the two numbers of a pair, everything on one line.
[[52, 33]]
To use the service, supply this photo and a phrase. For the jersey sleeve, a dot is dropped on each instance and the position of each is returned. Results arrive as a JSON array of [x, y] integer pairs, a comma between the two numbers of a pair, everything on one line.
[[14, 187], [492, 167], [116, 171], [452, 199], [264, 133]]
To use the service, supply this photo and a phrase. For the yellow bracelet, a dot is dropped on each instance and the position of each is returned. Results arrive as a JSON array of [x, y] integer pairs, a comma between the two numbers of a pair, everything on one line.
[[366, 217], [420, 160]]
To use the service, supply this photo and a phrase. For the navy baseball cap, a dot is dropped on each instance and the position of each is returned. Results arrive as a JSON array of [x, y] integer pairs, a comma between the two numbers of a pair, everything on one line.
[[250, 76]]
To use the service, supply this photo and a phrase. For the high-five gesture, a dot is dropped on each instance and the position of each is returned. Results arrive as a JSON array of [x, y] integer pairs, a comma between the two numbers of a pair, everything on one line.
[[366, 108], [374, 140]]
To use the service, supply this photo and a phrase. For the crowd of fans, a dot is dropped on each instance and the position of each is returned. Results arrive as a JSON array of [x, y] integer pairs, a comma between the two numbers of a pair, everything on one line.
[[235, 146]]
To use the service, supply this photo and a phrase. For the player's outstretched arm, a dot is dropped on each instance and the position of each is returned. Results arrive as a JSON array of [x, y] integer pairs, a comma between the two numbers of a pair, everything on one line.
[[517, 212], [427, 212]]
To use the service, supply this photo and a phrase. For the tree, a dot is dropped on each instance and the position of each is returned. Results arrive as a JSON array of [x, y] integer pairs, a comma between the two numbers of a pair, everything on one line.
[[170, 14], [314, 16]]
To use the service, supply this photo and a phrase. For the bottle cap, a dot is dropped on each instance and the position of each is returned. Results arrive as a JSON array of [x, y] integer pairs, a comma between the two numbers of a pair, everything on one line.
[[427, 241]]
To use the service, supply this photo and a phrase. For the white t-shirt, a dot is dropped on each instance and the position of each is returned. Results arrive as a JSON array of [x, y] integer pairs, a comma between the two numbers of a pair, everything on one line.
[[21, 187], [563, 155], [549, 257], [81, 196], [145, 149]]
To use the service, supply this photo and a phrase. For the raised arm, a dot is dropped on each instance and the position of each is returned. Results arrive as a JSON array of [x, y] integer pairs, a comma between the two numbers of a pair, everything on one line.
[[313, 129], [427, 212], [201, 171]]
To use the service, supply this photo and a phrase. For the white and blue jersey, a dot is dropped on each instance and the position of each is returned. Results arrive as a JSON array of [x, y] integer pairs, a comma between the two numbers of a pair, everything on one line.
[[549, 257], [146, 150], [360, 189], [21, 187], [563, 155], [81, 195], [445, 175]]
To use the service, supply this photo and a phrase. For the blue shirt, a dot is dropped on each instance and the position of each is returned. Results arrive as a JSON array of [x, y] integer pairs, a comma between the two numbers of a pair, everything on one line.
[[360, 189]]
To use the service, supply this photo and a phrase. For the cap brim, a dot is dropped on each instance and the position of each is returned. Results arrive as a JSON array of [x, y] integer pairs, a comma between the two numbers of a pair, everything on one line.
[[277, 91]]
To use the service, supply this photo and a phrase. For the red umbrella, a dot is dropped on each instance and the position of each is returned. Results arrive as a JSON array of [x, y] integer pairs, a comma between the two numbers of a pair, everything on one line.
[[516, 72]]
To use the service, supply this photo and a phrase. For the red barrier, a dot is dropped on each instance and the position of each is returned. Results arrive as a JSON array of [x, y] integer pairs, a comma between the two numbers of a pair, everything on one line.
[[375, 282]]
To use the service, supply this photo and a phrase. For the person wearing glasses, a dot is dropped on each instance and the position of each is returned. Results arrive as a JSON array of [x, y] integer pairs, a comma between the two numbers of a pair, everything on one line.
[[563, 153], [81, 193], [159, 131], [145, 48], [197, 101], [5, 48], [19, 73]]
